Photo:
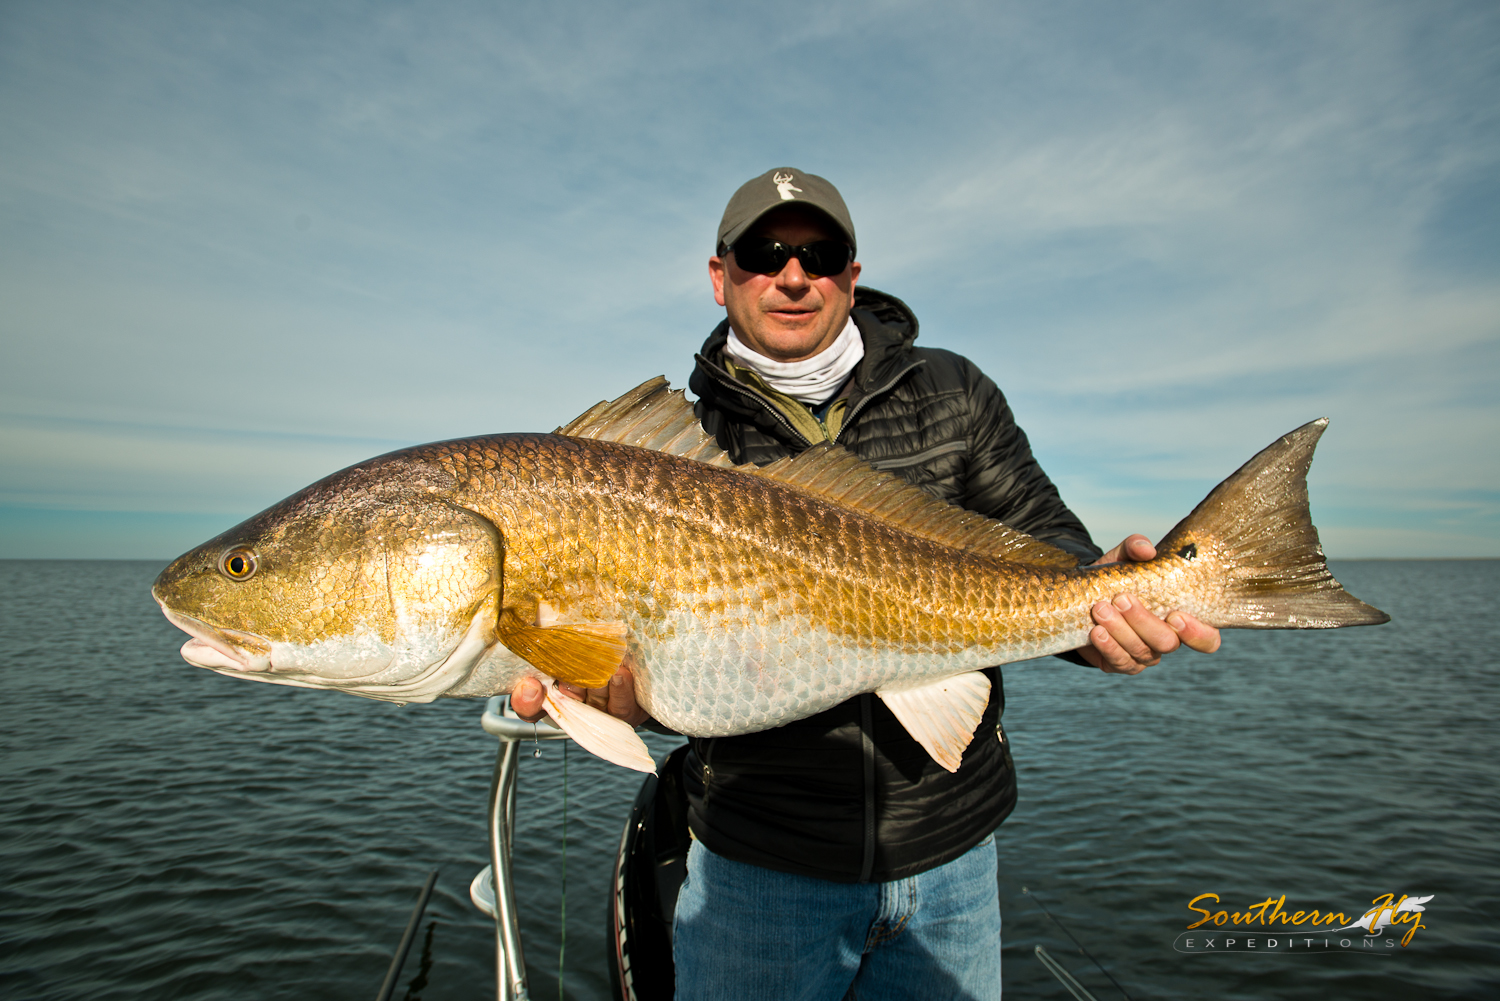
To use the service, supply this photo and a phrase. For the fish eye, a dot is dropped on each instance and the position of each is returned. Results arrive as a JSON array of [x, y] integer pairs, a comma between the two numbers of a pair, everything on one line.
[[238, 563]]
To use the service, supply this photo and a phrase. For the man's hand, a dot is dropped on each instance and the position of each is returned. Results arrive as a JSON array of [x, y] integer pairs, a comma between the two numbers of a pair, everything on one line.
[[1127, 638], [617, 699]]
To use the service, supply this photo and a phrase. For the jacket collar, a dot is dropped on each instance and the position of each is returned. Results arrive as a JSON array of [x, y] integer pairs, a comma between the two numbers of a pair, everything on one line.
[[886, 324]]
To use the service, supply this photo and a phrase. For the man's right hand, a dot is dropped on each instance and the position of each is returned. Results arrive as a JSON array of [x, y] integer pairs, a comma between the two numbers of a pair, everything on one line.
[[617, 698], [1127, 638]]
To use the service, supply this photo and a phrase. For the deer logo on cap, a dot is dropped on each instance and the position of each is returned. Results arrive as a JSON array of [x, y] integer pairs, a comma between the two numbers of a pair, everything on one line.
[[784, 185]]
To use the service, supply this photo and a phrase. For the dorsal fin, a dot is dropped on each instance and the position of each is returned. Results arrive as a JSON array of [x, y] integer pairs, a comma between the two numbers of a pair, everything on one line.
[[654, 416], [836, 474]]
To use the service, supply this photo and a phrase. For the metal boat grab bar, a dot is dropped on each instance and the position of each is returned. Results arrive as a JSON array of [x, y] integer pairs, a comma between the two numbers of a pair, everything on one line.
[[493, 890]]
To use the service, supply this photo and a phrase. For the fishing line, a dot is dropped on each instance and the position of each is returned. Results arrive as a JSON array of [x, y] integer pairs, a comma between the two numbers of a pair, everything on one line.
[[562, 940], [1038, 901]]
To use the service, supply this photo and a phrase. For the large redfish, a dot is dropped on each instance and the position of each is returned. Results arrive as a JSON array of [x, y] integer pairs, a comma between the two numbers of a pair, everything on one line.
[[748, 597]]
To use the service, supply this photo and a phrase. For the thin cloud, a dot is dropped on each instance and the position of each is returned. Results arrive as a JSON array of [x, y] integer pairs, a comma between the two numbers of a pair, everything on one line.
[[1170, 232]]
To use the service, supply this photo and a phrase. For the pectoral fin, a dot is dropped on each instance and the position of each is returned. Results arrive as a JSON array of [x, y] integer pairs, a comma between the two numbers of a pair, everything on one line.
[[585, 654], [941, 716], [598, 732]]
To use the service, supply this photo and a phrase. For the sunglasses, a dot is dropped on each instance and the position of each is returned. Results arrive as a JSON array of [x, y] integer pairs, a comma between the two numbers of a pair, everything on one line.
[[767, 257]]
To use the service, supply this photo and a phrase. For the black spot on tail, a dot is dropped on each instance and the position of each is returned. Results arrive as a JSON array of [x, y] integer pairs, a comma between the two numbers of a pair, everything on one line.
[[1189, 551]]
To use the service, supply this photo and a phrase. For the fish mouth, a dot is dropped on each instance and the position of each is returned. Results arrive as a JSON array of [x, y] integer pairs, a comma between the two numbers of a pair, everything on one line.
[[222, 650], [249, 655]]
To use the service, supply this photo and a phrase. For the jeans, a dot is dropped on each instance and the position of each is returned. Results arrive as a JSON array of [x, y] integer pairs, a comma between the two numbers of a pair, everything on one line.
[[743, 932]]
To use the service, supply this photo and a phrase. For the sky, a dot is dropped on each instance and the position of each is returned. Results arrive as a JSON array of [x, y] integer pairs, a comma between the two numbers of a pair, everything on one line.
[[245, 245]]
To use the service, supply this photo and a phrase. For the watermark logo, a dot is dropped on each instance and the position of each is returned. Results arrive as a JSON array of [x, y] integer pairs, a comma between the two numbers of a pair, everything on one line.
[[1268, 927]]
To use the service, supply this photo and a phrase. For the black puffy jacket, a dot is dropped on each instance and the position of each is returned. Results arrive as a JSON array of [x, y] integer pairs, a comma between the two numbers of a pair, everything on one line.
[[848, 795]]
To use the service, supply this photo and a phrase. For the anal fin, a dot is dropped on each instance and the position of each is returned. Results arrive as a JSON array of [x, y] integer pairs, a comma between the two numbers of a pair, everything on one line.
[[942, 715], [597, 732], [585, 654]]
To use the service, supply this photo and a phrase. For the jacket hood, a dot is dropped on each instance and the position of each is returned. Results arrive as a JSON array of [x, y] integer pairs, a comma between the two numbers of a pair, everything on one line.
[[886, 324]]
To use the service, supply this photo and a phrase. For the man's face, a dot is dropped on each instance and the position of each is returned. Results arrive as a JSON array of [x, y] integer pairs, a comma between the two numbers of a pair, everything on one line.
[[787, 316]]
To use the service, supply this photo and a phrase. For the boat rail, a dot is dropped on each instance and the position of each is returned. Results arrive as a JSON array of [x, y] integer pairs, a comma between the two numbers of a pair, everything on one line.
[[493, 890]]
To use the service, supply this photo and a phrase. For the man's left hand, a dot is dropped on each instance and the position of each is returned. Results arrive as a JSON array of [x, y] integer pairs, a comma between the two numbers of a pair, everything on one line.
[[617, 698], [1127, 638]]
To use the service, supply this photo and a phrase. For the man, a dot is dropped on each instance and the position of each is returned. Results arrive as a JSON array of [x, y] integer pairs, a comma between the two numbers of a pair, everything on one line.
[[832, 857]]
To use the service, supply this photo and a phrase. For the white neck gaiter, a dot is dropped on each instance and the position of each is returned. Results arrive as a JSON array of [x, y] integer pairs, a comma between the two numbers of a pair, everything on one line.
[[811, 380]]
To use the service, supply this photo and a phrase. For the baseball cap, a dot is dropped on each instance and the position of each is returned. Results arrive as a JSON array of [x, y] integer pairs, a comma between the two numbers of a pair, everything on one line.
[[775, 188]]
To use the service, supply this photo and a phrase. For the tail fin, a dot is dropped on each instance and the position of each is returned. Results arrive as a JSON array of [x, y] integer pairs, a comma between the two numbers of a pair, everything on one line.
[[1256, 527]]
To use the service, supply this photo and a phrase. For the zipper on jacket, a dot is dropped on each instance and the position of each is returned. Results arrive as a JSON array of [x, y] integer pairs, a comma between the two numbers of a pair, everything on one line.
[[724, 379], [855, 410], [903, 461], [867, 745], [707, 747]]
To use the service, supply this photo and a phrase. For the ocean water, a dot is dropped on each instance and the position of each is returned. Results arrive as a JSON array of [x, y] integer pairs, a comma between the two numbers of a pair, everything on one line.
[[166, 832]]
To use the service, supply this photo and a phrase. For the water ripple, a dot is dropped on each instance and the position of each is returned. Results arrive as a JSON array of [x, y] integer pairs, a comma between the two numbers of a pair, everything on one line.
[[172, 833]]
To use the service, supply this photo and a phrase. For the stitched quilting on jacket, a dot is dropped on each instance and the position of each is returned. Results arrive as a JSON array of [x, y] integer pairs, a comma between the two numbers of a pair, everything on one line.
[[847, 795]]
